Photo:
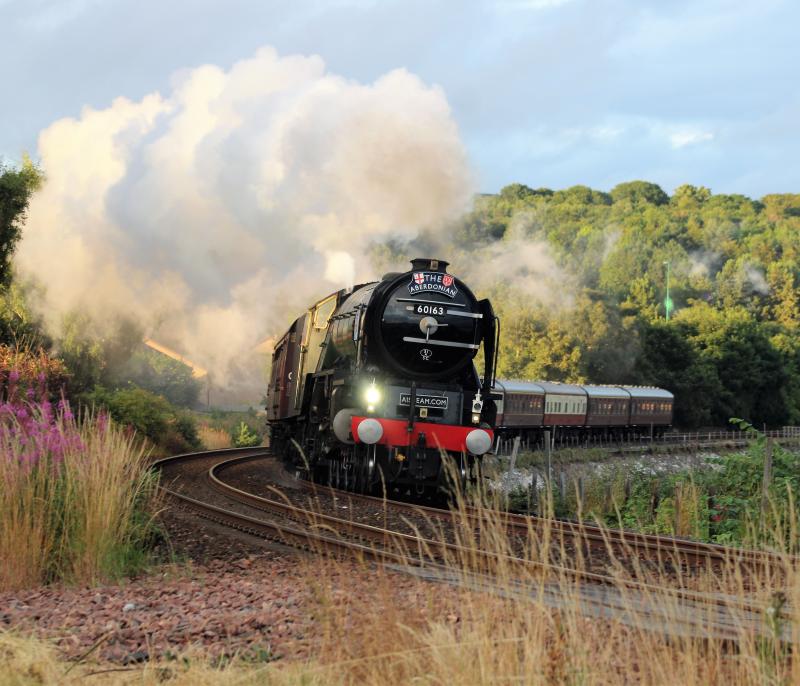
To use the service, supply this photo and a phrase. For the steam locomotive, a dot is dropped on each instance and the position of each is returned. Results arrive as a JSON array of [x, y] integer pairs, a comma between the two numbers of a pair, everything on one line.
[[375, 385]]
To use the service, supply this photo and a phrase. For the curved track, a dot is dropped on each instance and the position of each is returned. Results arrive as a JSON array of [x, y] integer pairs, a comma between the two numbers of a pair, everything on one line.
[[685, 552], [197, 482]]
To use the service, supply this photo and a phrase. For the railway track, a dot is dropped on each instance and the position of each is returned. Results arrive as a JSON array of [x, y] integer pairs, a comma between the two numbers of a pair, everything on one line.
[[197, 482], [698, 440], [685, 552]]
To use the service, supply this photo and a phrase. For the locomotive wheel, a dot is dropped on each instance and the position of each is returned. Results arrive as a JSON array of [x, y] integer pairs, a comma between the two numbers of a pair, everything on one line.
[[334, 472], [359, 473]]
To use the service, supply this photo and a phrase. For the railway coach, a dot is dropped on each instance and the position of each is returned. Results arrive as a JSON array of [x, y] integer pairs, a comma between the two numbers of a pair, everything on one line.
[[570, 411]]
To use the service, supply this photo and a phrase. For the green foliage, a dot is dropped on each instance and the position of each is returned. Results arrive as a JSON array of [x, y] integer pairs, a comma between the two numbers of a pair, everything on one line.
[[720, 501], [245, 437], [151, 415], [82, 353], [160, 374], [732, 345], [16, 188], [229, 421], [116, 357], [639, 192], [146, 412], [19, 325]]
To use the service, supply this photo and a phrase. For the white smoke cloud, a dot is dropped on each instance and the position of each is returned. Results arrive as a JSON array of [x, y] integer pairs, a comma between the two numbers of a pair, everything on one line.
[[526, 267], [703, 264], [756, 278], [215, 212], [523, 262]]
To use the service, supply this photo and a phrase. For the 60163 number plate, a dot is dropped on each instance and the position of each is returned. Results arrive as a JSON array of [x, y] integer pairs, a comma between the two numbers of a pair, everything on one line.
[[425, 400], [429, 309]]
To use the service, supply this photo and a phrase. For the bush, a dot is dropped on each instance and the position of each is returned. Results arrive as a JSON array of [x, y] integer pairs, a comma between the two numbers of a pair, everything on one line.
[[150, 415], [76, 498], [230, 422], [245, 436], [26, 373], [145, 412], [160, 374]]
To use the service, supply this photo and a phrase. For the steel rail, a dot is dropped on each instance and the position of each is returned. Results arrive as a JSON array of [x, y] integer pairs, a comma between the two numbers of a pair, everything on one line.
[[592, 535], [698, 615], [449, 551]]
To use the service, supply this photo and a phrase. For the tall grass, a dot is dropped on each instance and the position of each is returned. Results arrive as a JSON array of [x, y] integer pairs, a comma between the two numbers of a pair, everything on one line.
[[75, 497], [214, 439], [497, 623]]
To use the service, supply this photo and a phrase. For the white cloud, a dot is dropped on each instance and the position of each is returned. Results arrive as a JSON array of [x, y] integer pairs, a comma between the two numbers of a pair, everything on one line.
[[680, 139], [51, 17], [531, 4]]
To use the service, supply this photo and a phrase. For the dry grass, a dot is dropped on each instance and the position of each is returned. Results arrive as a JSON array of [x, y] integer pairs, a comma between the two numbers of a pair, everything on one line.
[[214, 439], [525, 626], [77, 510]]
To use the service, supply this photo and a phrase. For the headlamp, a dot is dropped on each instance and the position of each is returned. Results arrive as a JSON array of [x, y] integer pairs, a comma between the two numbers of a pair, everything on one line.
[[372, 395]]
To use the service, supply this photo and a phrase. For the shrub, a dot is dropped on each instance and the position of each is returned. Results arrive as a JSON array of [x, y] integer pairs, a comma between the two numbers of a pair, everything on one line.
[[150, 415], [214, 439], [162, 375], [26, 373], [146, 412], [75, 498], [245, 436]]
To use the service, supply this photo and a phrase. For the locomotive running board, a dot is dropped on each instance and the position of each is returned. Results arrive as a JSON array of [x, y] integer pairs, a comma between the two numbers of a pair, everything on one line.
[[447, 344]]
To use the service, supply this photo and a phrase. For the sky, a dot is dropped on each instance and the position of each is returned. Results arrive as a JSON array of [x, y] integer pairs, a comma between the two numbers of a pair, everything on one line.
[[550, 93]]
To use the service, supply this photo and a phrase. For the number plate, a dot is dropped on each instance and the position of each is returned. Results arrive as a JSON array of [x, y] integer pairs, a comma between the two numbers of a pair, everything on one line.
[[425, 400], [429, 309]]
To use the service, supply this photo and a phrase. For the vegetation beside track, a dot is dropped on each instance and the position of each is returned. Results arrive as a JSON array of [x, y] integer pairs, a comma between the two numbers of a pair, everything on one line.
[[374, 627], [77, 499], [720, 498]]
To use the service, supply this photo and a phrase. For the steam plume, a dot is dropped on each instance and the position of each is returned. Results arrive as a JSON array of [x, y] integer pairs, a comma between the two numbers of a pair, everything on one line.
[[216, 212]]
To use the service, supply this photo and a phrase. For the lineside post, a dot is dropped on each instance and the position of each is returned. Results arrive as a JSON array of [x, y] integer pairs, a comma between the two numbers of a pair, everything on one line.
[[514, 452], [548, 446], [765, 484]]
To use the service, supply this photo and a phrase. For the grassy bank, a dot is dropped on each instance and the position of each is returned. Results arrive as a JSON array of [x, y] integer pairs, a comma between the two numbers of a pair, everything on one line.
[[526, 627], [720, 498], [226, 429], [77, 498]]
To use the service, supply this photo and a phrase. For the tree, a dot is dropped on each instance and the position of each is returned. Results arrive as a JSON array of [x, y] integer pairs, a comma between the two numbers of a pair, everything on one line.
[[731, 345], [669, 360], [16, 188], [637, 192], [159, 374]]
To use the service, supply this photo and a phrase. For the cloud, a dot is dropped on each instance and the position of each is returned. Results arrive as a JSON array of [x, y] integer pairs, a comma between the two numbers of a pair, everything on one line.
[[51, 17], [531, 4], [218, 211], [681, 139]]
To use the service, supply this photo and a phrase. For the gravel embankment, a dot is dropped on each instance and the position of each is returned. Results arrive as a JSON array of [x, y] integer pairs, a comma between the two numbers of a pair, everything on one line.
[[236, 595]]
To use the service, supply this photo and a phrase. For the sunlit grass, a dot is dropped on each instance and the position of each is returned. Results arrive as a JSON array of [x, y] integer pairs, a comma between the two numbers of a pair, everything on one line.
[[214, 439], [76, 501], [491, 620]]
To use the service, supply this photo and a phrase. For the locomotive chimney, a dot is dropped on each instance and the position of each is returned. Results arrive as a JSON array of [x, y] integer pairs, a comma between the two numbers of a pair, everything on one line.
[[429, 265]]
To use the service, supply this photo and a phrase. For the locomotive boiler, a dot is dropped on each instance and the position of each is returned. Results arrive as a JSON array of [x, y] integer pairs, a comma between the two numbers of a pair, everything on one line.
[[375, 386]]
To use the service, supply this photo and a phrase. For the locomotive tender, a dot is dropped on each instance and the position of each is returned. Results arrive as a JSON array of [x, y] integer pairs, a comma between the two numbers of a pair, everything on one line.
[[376, 384]]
